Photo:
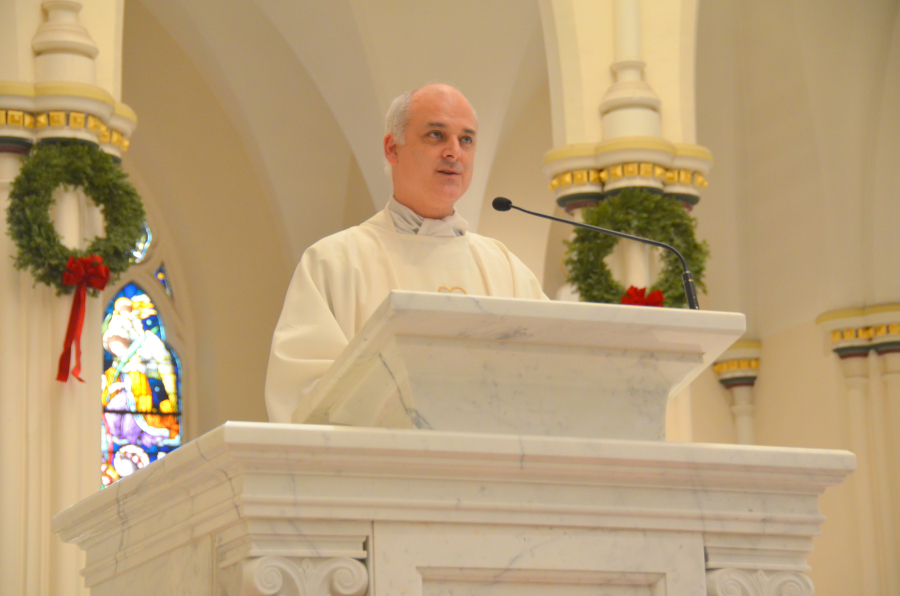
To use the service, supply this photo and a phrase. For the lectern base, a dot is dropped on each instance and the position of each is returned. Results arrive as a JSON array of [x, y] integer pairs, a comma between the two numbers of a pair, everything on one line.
[[303, 509]]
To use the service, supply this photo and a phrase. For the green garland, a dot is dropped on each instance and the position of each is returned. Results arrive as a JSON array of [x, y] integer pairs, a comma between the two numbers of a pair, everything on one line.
[[72, 163], [641, 213]]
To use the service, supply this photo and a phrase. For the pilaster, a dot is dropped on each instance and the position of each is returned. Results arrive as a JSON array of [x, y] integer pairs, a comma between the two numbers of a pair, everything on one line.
[[48, 90], [853, 334]]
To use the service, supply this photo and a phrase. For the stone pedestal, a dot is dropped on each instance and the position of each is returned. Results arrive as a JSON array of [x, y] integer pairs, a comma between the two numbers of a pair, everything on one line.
[[305, 509]]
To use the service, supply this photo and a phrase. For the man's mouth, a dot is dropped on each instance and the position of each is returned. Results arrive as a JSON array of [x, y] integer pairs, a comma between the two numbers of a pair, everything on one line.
[[449, 172]]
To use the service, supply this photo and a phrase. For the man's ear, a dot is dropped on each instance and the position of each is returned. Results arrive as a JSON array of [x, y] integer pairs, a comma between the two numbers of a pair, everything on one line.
[[390, 149]]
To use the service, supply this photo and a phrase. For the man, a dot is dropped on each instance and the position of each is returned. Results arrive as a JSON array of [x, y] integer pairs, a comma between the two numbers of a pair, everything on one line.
[[417, 242]]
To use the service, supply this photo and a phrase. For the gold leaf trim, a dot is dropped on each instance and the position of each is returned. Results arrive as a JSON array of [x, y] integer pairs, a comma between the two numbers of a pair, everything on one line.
[[737, 364], [76, 119], [57, 118]]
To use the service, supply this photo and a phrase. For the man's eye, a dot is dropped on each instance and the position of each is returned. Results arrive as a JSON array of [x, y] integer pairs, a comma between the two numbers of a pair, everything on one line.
[[436, 134], [467, 140]]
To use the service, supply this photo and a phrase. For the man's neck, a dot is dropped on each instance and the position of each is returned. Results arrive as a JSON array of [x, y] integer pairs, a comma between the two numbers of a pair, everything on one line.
[[407, 221], [425, 212]]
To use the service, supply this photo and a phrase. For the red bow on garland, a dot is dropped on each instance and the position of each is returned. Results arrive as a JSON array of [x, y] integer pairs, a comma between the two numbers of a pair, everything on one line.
[[636, 296], [83, 272]]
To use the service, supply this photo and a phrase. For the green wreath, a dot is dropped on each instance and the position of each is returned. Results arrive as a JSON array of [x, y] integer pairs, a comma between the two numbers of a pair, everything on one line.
[[73, 163], [641, 213]]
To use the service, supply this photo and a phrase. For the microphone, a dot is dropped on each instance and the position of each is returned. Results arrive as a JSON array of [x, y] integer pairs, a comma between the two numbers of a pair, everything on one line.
[[690, 291]]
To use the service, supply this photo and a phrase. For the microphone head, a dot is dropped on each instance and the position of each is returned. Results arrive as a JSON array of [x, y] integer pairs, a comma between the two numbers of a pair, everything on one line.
[[502, 204]]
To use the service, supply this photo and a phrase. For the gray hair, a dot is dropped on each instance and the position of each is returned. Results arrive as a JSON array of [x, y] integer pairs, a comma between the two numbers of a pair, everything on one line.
[[397, 117]]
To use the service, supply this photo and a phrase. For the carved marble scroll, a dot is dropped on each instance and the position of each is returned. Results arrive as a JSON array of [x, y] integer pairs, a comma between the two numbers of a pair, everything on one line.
[[737, 582], [282, 576]]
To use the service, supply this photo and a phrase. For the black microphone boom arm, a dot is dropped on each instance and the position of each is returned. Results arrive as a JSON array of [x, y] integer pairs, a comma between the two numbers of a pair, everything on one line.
[[690, 291]]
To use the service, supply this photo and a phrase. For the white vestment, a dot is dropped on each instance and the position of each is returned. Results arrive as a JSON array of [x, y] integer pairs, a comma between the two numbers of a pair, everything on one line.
[[343, 278]]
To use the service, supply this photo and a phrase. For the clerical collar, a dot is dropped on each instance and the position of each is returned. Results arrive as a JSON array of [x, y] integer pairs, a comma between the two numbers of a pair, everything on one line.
[[407, 221]]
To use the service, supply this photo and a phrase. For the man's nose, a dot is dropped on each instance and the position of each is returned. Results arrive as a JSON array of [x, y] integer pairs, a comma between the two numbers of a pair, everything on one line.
[[451, 148]]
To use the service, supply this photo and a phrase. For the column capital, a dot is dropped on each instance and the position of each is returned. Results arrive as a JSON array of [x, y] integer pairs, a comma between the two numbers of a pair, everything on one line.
[[582, 174], [739, 364], [855, 331]]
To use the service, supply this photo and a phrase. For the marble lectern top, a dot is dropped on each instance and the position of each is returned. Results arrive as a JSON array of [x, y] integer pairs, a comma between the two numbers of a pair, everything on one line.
[[500, 365]]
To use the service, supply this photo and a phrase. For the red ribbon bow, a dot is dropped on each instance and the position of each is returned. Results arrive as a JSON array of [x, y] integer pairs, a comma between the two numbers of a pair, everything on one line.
[[83, 272], [636, 296]]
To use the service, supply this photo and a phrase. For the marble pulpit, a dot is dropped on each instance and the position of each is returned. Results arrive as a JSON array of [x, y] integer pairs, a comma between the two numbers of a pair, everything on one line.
[[549, 496]]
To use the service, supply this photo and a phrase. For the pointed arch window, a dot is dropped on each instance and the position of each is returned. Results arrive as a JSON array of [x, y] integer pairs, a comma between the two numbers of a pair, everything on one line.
[[141, 383], [141, 386]]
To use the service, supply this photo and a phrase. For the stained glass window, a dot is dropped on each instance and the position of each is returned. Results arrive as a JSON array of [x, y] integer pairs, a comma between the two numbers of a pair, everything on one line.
[[141, 387], [162, 278], [139, 252]]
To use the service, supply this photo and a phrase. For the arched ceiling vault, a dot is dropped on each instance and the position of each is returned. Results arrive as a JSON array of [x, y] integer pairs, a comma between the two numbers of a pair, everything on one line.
[[307, 83]]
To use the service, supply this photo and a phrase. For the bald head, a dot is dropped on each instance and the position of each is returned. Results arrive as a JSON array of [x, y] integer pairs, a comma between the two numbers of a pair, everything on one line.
[[397, 117]]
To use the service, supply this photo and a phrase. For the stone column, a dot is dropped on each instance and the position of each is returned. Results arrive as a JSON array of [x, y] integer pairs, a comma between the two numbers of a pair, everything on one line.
[[623, 116], [885, 408], [60, 83], [737, 370], [853, 337], [623, 111]]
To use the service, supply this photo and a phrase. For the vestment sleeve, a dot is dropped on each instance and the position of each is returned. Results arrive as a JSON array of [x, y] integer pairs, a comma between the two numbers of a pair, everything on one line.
[[306, 341]]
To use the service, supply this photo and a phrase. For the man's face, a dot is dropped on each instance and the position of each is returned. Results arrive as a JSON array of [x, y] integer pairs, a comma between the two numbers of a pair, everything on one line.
[[433, 168]]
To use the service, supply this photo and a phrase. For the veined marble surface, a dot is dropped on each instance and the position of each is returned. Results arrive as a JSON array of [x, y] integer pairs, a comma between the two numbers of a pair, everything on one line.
[[500, 365], [253, 508]]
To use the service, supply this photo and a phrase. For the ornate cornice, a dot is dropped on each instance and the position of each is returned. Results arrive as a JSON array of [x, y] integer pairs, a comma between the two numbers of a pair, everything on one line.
[[854, 332], [583, 173], [32, 112]]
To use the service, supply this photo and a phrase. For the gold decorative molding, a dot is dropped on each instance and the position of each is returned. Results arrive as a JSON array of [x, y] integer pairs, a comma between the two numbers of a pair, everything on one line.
[[697, 151], [628, 161], [76, 119], [15, 118], [749, 364], [876, 309], [74, 90], [570, 151], [125, 111], [57, 118], [63, 119], [852, 333], [17, 88], [841, 313], [890, 329], [645, 143], [746, 344], [630, 169], [877, 316]]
